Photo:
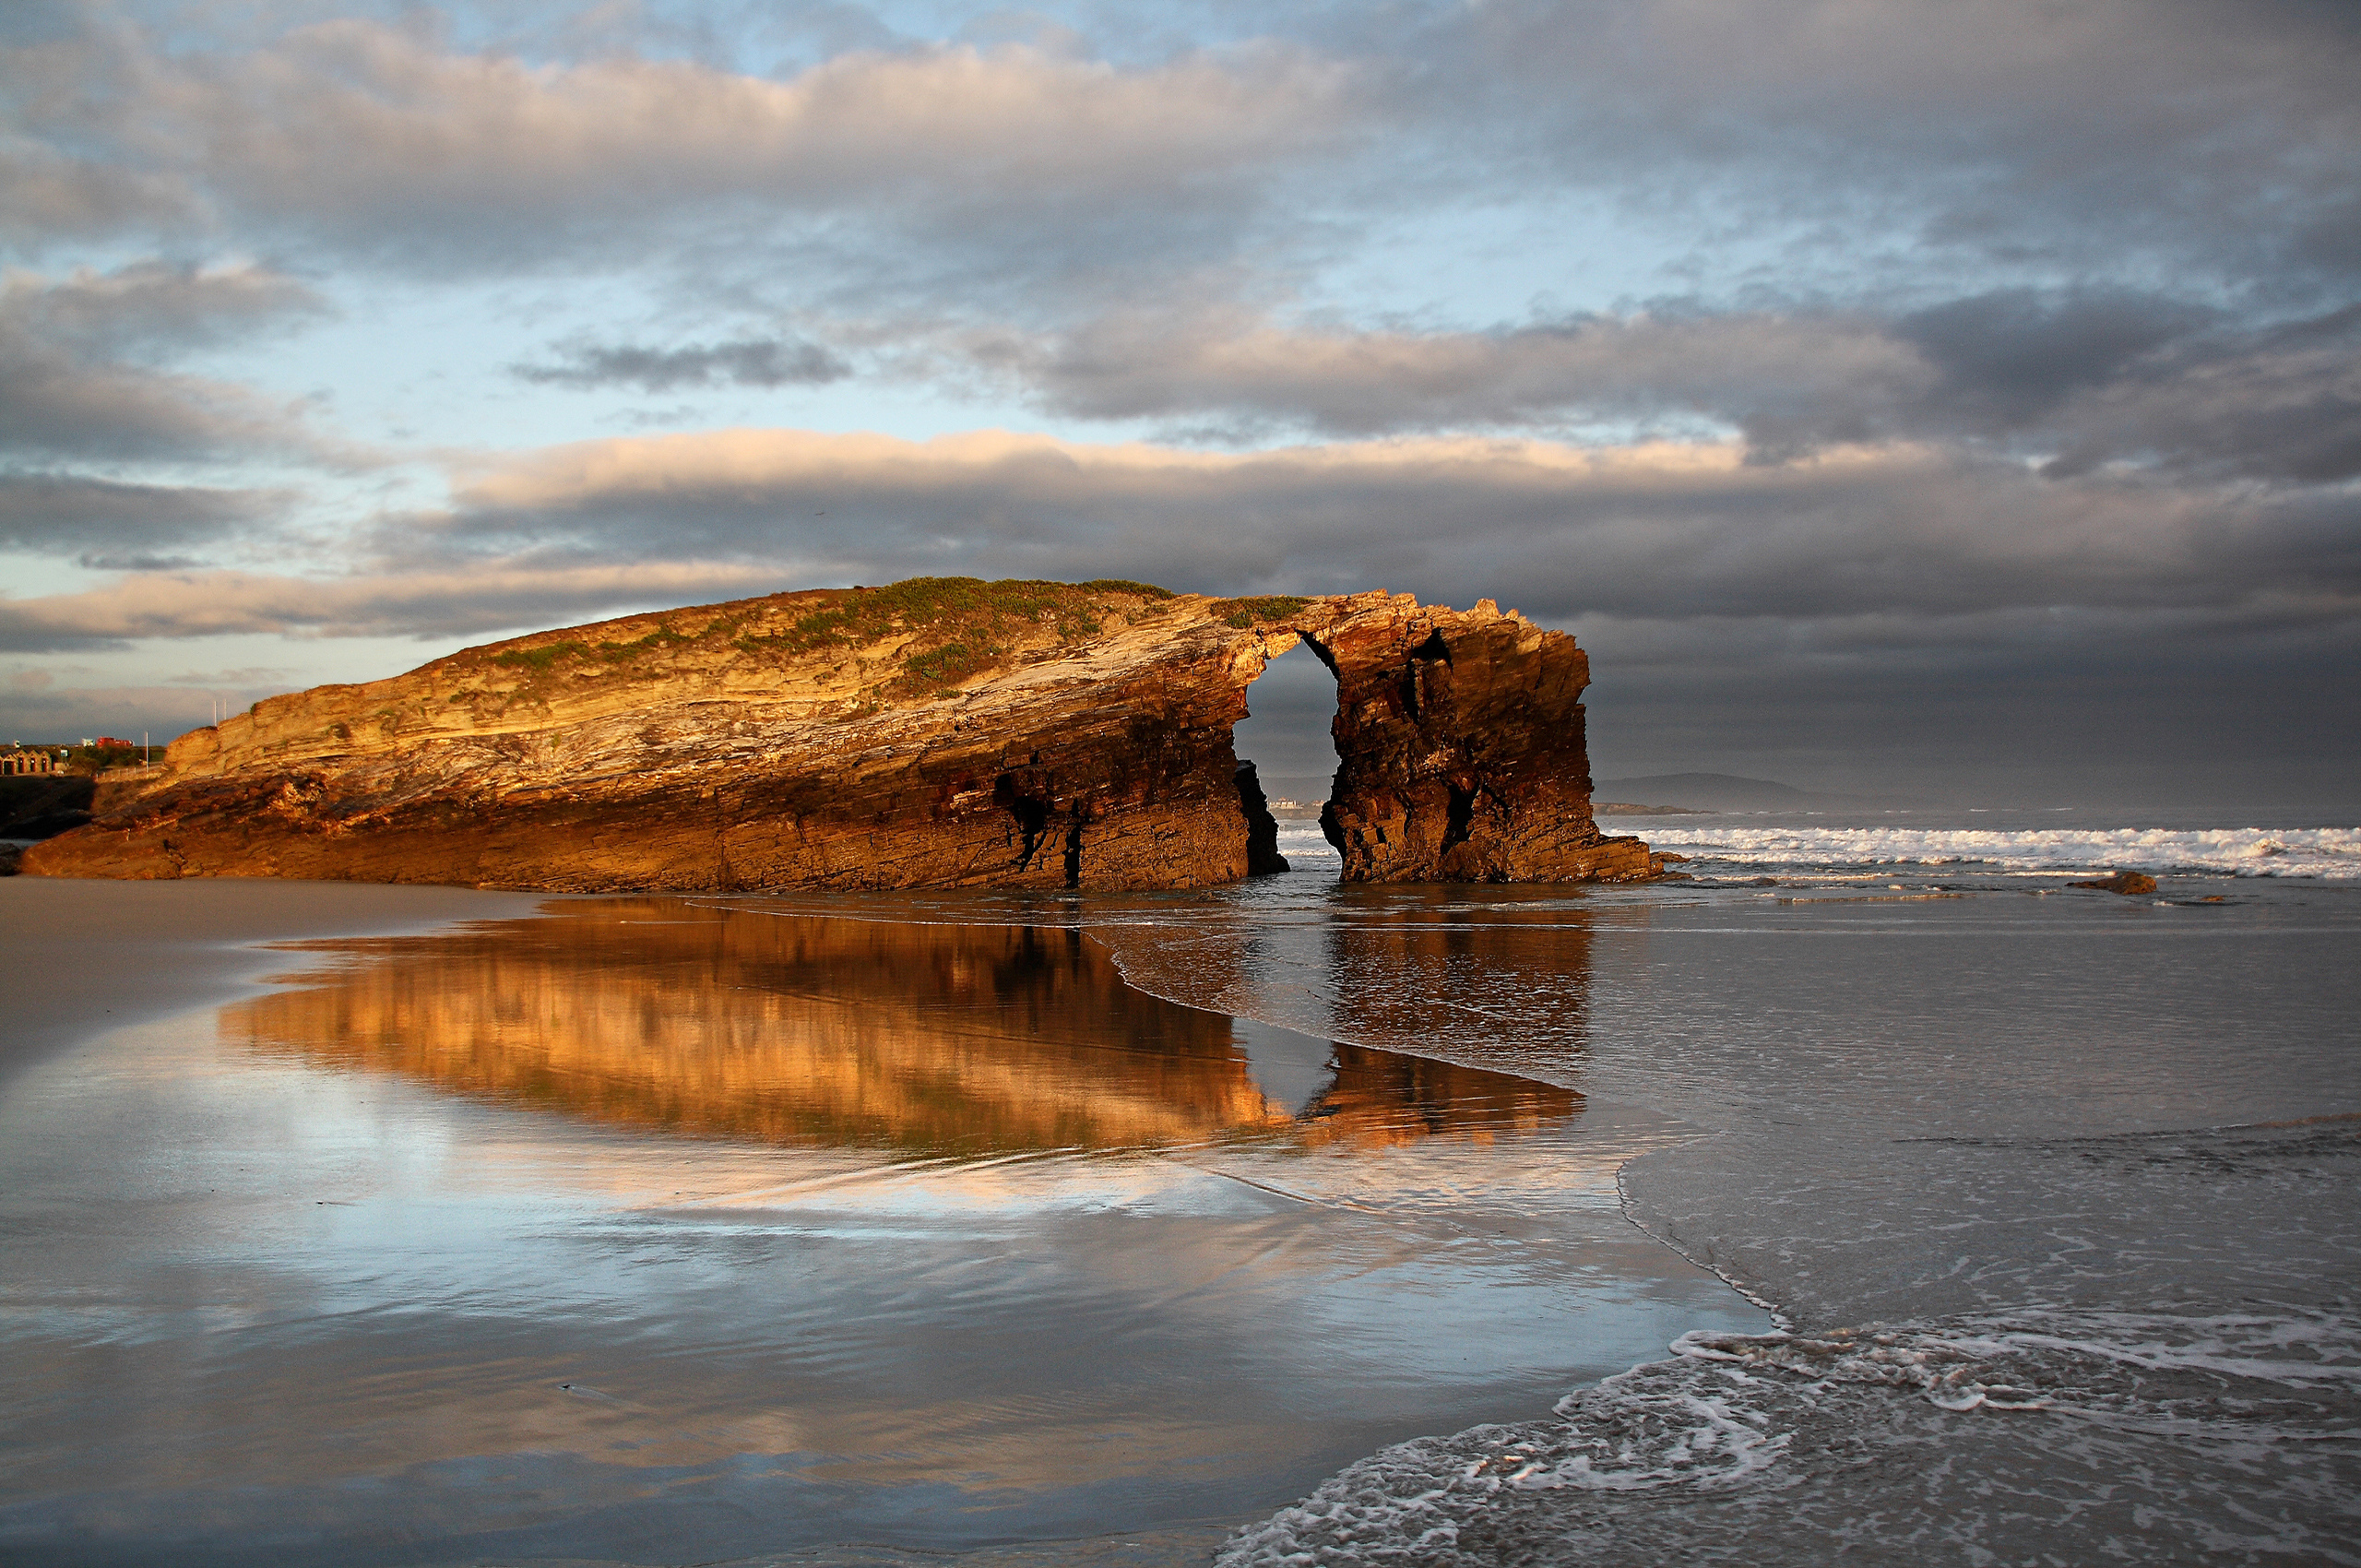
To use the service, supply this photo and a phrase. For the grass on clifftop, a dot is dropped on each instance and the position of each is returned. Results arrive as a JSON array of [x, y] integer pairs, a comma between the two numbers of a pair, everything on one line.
[[1243, 613], [963, 624], [962, 627]]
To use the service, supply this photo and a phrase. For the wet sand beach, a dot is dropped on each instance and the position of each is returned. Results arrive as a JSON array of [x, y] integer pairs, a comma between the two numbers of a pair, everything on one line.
[[84, 957], [665, 1230], [868, 1229]]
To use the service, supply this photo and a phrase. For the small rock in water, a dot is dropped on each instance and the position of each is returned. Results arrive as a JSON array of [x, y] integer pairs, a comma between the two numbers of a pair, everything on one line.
[[2125, 882]]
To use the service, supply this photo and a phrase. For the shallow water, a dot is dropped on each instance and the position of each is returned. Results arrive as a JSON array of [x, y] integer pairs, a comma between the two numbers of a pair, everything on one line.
[[681, 1228], [659, 1231], [2058, 1147], [2011, 1130]]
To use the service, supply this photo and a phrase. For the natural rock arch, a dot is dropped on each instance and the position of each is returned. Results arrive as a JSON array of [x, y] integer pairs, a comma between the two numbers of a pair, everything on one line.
[[939, 732]]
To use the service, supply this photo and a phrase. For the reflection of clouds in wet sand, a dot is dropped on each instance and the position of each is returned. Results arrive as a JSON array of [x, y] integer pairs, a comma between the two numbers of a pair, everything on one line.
[[1497, 979], [739, 1023], [729, 1230]]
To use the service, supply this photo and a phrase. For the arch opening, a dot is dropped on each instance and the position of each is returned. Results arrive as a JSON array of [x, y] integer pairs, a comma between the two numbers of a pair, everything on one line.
[[1289, 740]]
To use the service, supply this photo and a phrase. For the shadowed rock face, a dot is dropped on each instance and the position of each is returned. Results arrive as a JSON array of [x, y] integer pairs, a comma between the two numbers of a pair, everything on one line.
[[1463, 752], [940, 732]]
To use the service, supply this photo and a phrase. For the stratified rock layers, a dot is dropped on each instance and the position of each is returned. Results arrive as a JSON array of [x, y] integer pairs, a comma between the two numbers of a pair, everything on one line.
[[1463, 750], [937, 733]]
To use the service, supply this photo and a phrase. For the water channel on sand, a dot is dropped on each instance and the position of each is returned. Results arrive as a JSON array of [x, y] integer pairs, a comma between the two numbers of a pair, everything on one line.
[[667, 1230]]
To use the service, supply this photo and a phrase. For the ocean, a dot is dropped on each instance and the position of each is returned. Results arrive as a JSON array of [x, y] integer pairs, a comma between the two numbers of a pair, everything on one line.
[[1874, 1191]]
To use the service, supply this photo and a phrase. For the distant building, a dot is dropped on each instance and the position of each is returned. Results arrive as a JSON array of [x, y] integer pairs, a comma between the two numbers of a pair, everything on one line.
[[24, 761], [118, 742]]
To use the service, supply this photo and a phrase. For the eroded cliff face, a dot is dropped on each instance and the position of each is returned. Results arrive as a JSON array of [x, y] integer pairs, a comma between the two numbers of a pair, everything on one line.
[[940, 732]]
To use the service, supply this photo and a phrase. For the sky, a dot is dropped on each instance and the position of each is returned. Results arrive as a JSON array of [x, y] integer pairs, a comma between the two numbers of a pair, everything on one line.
[[1941, 399]]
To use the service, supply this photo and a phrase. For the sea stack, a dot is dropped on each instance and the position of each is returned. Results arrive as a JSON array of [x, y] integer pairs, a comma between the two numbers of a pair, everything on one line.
[[937, 732]]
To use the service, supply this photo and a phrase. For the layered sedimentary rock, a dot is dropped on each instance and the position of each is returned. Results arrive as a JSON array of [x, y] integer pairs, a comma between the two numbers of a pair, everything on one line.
[[939, 732], [1462, 747]]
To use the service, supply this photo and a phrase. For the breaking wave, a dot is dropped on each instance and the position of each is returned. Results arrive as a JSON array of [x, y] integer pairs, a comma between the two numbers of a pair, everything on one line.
[[2231, 1437], [2325, 852]]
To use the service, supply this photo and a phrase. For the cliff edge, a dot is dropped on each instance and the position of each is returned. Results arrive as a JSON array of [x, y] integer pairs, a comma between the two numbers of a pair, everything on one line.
[[937, 732]]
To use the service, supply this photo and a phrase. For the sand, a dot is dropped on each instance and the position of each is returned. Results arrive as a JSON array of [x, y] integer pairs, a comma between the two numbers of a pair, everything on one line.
[[87, 957]]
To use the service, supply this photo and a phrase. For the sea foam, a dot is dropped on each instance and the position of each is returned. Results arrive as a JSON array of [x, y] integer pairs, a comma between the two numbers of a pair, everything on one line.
[[2325, 852]]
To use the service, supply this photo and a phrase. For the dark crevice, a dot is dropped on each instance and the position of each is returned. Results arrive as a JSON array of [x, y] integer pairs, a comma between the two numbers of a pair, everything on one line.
[[1434, 648], [1073, 852], [1460, 817], [1031, 812]]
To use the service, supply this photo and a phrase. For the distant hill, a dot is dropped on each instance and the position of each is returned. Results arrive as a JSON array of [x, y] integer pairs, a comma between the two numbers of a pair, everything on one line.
[[1310, 789], [1713, 792]]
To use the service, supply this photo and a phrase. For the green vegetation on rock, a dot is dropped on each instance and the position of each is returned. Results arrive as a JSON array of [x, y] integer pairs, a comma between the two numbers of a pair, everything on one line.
[[962, 625], [959, 627], [1243, 613]]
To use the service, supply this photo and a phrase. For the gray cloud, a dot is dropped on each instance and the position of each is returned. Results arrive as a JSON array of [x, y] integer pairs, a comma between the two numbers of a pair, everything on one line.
[[1671, 528], [755, 362], [2010, 357], [2080, 376], [1888, 541], [1230, 364], [372, 138], [2279, 403], [120, 525], [1872, 147], [81, 364], [2115, 132], [461, 597]]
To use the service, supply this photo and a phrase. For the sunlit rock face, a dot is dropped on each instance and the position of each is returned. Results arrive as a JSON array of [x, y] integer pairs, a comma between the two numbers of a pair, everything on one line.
[[738, 1023], [939, 732]]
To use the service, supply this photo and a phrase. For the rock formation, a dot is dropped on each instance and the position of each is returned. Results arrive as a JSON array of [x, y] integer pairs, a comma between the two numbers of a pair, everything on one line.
[[2132, 884], [937, 732]]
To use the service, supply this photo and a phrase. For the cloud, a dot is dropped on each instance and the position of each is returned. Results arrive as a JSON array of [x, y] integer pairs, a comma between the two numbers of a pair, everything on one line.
[[37, 709], [1667, 528], [1885, 148], [372, 139], [477, 597], [2280, 402], [2081, 377], [80, 364], [56, 514], [1891, 539], [2099, 137], [1824, 372], [757, 361]]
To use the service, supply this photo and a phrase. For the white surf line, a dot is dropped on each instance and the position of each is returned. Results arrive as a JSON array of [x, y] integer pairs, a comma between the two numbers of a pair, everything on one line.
[[1785, 1324]]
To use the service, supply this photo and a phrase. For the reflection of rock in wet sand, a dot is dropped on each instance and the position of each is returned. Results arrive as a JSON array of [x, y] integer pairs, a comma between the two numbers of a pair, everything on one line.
[[734, 1023], [1381, 1097], [1488, 974]]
